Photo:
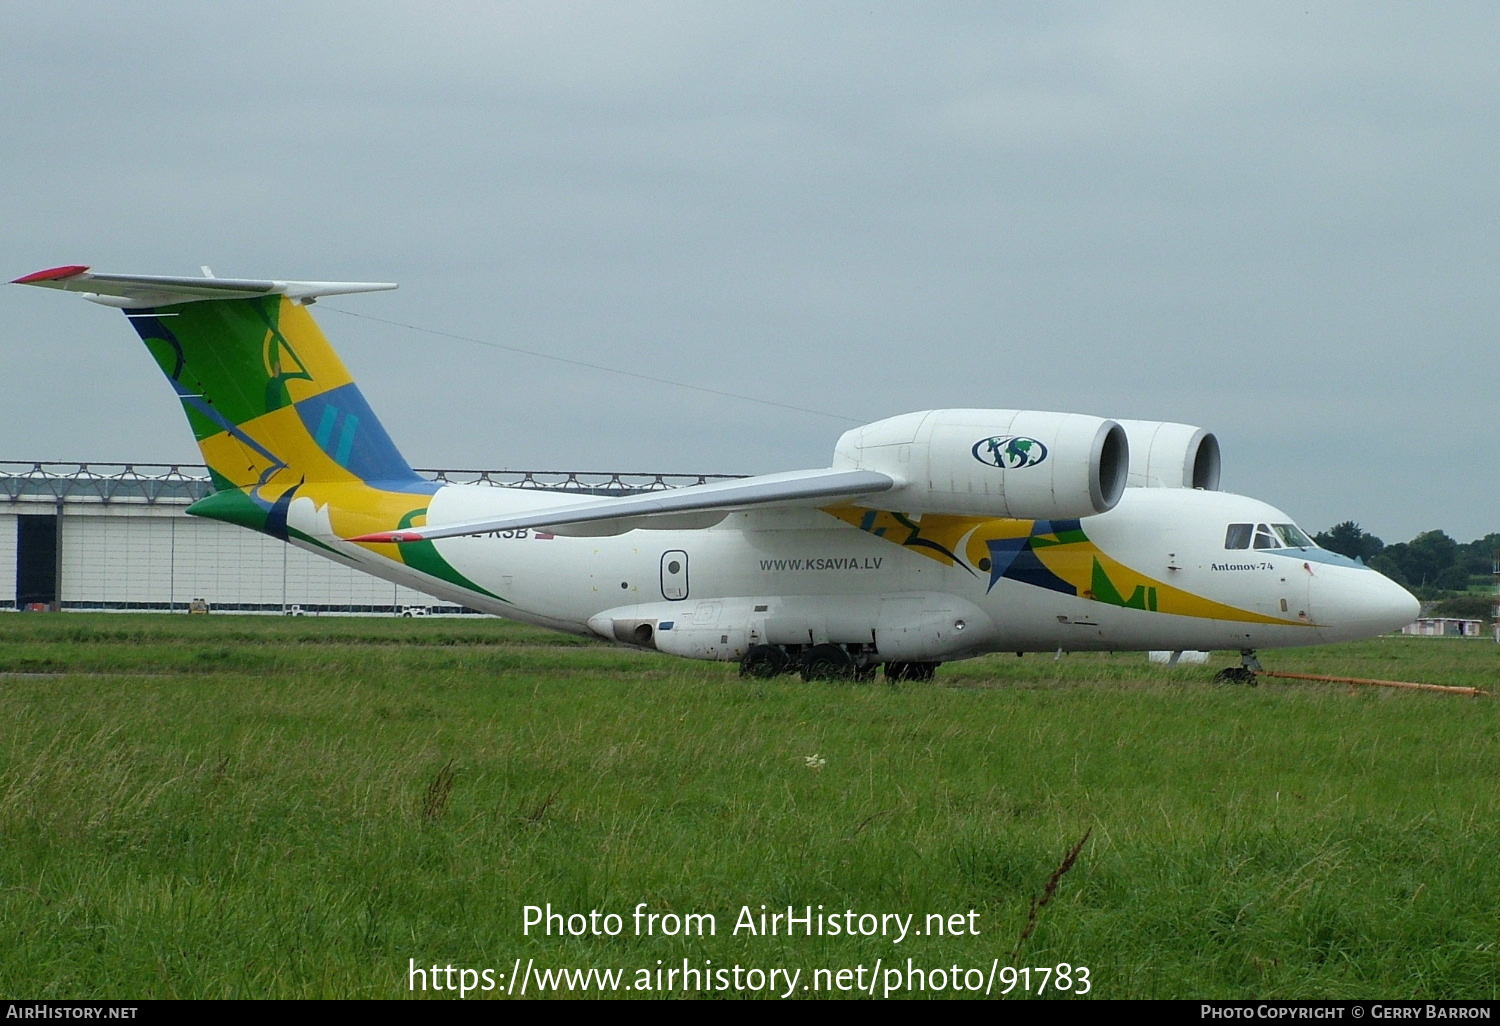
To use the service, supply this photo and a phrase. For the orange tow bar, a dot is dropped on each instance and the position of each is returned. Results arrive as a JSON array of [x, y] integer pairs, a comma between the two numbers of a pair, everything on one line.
[[1473, 692]]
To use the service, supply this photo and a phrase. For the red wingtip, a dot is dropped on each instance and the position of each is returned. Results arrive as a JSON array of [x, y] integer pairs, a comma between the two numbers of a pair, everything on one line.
[[388, 536], [51, 274]]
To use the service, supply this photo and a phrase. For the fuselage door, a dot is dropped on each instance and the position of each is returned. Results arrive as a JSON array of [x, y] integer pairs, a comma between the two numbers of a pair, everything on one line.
[[674, 575]]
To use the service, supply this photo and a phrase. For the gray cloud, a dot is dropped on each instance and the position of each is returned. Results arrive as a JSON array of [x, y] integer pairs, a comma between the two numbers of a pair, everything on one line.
[[1276, 222]]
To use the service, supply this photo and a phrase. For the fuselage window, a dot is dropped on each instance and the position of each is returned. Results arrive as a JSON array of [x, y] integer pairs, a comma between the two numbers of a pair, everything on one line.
[[1237, 537]]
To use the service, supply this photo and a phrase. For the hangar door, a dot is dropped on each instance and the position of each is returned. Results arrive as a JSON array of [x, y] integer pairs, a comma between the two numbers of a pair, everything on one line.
[[36, 560]]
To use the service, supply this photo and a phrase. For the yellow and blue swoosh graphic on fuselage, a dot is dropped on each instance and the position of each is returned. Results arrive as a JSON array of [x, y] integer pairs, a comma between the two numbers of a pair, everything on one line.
[[1052, 554]]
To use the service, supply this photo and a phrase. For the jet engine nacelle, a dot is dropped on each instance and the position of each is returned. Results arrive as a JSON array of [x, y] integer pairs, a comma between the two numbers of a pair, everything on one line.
[[1001, 463], [1166, 455]]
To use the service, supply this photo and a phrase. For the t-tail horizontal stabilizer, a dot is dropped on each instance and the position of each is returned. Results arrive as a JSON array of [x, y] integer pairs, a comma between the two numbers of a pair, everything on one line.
[[132, 291]]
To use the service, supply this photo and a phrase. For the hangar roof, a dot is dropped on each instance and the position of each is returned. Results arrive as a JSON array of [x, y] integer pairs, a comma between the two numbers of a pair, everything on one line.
[[179, 484]]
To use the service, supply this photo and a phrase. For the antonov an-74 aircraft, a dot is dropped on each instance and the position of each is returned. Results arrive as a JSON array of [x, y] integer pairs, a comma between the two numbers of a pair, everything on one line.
[[934, 536]]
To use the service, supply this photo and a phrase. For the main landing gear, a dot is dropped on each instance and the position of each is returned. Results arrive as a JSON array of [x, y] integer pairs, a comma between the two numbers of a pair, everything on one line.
[[898, 672], [826, 662], [764, 662], [1243, 673], [829, 662]]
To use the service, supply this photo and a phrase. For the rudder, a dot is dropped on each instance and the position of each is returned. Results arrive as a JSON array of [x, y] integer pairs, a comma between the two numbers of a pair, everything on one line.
[[268, 399]]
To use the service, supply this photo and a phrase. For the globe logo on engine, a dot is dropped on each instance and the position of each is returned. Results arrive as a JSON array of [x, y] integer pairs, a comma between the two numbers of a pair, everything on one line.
[[1009, 452]]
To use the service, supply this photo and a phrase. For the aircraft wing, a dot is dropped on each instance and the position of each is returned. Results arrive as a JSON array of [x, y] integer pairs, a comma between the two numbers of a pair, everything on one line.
[[798, 487], [145, 290]]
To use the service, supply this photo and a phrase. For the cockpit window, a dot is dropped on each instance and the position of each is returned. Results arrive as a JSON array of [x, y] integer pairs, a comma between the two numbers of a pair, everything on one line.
[[1266, 536], [1292, 536]]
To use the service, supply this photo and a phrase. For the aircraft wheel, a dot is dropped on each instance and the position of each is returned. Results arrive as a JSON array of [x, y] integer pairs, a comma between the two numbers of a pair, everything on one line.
[[827, 662], [896, 672], [763, 662], [865, 674], [1236, 675]]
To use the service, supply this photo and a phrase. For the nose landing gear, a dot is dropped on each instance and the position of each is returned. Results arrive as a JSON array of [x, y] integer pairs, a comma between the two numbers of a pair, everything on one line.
[[1243, 673]]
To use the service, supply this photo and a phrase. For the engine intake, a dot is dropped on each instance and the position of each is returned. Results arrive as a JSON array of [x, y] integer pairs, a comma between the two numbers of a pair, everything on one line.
[[1164, 455]]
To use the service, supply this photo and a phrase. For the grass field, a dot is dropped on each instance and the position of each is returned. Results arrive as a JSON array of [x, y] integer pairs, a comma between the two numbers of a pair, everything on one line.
[[263, 807]]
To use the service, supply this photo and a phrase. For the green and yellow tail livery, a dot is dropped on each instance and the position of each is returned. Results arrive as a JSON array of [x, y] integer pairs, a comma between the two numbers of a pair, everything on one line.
[[276, 413], [274, 410]]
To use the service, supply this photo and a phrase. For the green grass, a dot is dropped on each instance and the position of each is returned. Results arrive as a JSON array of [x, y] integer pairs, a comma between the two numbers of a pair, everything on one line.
[[266, 807]]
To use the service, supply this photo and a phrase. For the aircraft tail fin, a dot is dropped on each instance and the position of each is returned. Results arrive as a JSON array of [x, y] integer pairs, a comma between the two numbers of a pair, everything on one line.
[[269, 401], [274, 410], [293, 448]]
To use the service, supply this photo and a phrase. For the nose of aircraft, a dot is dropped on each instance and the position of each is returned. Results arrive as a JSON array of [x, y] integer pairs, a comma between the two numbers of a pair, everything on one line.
[[1350, 603]]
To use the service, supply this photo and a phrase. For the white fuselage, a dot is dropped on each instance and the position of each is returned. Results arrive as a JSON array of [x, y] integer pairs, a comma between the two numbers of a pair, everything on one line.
[[802, 577]]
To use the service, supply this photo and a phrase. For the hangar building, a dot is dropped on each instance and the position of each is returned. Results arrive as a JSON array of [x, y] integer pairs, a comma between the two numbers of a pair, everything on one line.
[[95, 536]]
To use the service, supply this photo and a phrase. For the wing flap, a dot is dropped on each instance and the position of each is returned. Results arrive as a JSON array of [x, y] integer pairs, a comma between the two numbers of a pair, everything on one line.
[[614, 516]]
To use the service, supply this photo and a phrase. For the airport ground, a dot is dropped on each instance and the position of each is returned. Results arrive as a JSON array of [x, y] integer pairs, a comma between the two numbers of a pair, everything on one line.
[[216, 806]]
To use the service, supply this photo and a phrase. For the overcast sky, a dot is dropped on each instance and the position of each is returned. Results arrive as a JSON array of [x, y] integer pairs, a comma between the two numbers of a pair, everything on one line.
[[1277, 221]]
